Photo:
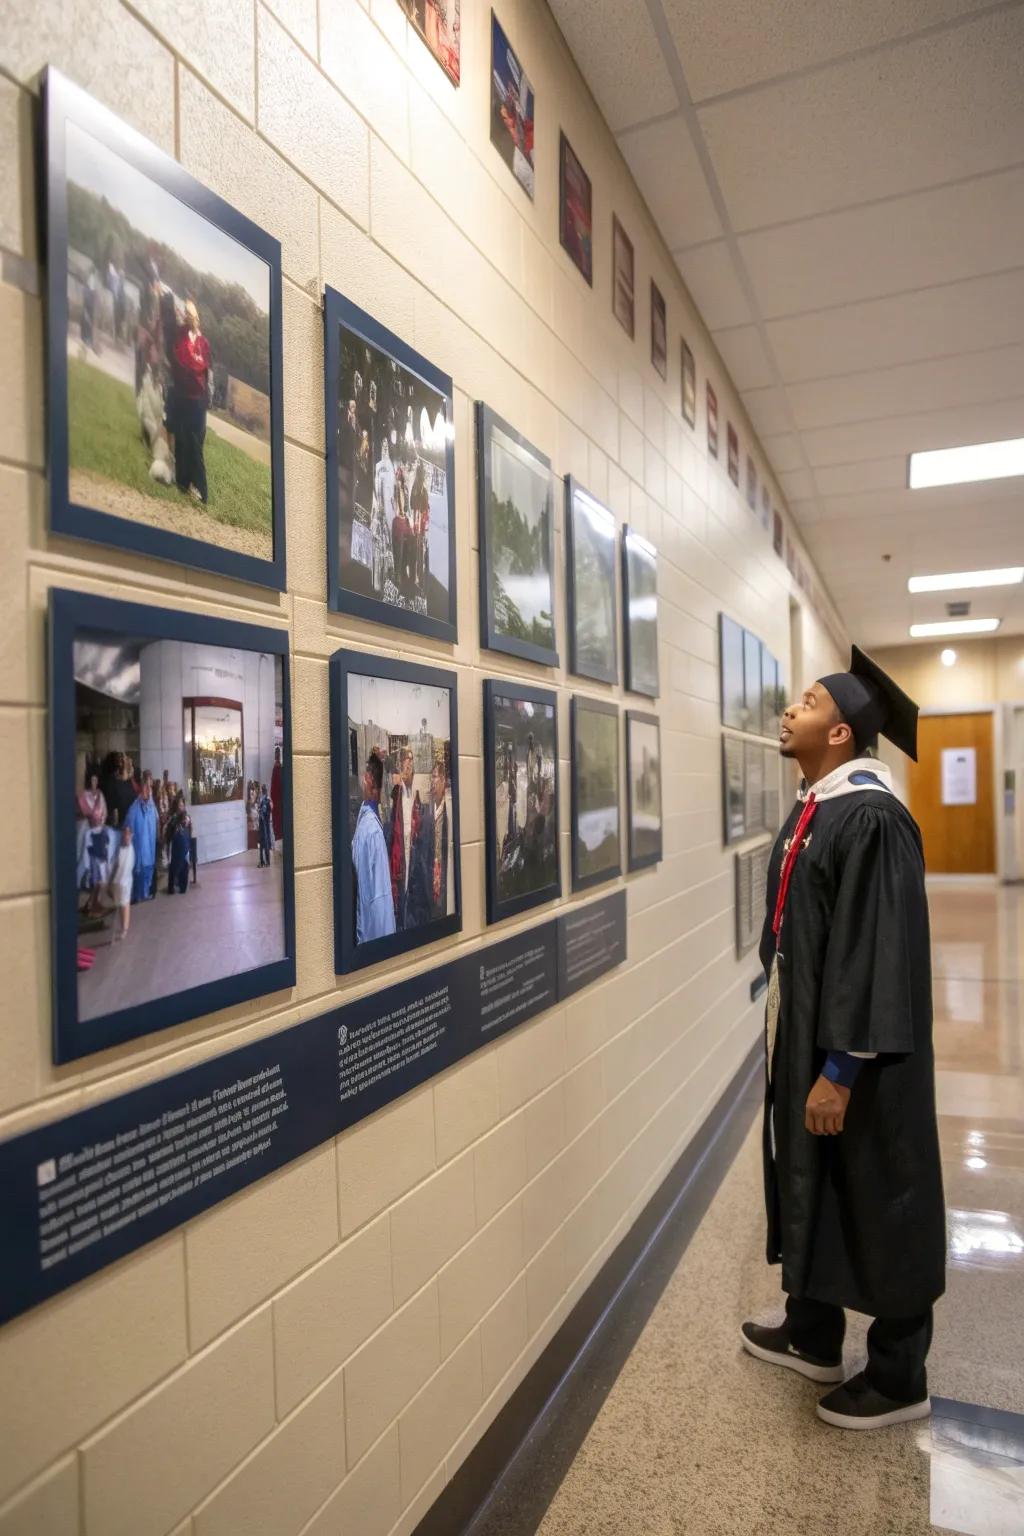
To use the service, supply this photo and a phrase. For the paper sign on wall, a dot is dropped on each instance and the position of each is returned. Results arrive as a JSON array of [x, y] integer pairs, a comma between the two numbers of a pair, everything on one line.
[[959, 776]]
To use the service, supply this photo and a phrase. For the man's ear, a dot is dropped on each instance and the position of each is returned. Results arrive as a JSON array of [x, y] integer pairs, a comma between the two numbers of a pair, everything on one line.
[[840, 734]]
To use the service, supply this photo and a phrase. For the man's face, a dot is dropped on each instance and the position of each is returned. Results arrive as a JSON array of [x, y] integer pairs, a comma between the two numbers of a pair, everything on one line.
[[808, 722], [369, 788], [407, 770], [147, 789], [437, 784]]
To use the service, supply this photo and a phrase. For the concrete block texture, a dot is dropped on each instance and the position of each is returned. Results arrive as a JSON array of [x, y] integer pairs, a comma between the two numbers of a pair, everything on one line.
[[314, 1356]]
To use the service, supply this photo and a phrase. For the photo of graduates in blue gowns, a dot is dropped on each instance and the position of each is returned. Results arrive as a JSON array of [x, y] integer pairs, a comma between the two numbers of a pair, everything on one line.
[[171, 862], [521, 786], [396, 803]]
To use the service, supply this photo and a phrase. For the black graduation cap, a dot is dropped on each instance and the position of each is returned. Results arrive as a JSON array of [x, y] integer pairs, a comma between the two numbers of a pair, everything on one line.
[[872, 704]]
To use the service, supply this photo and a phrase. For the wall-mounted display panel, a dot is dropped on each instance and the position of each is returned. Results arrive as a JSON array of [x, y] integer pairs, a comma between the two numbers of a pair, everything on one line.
[[640, 613], [511, 109], [591, 585], [659, 331], [751, 876], [520, 797], [688, 375], [517, 543], [734, 804], [623, 279], [643, 789], [575, 210], [595, 830], [438, 23]]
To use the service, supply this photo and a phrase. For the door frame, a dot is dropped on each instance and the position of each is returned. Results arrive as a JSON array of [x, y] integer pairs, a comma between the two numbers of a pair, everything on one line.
[[1006, 859]]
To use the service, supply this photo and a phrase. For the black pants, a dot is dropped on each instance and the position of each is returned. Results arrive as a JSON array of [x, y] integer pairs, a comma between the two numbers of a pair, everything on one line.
[[897, 1346], [189, 440]]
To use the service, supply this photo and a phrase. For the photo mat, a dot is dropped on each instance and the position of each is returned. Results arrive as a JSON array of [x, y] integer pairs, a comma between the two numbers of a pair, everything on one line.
[[575, 210], [520, 797], [591, 585], [517, 548], [643, 789], [595, 816], [161, 791], [390, 477], [511, 109], [395, 807], [640, 612], [165, 413]]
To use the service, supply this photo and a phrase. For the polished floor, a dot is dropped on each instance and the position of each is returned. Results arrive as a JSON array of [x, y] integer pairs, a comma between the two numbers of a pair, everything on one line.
[[692, 1436]]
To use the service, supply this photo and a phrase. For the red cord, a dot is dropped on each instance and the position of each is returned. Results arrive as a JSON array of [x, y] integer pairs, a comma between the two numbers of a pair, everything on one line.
[[796, 842]]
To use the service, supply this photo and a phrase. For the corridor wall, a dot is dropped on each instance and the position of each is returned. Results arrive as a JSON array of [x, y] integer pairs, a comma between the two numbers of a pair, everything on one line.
[[320, 1353]]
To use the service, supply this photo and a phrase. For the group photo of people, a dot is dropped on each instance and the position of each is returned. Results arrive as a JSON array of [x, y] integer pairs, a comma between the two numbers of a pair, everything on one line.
[[393, 523], [168, 359], [400, 806], [524, 787]]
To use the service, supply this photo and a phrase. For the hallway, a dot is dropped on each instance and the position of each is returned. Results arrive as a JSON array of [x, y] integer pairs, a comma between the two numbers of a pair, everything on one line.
[[695, 1437]]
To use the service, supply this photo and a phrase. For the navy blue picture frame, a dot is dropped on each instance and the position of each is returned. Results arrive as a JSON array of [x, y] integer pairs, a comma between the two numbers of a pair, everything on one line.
[[71, 614], [65, 102], [610, 673], [577, 705], [635, 544], [634, 859], [348, 956], [502, 688], [524, 650], [340, 313]]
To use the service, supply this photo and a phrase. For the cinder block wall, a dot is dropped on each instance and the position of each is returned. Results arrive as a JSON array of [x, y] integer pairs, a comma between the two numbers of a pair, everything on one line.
[[320, 1353]]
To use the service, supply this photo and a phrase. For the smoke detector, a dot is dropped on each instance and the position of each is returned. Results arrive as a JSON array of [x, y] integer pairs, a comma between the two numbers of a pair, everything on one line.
[[959, 609]]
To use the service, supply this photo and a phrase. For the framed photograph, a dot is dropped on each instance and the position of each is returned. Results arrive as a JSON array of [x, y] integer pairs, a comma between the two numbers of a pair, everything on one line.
[[511, 109], [733, 789], [520, 797], [390, 477], [778, 701], [751, 682], [777, 532], [772, 791], [659, 331], [766, 505], [164, 413], [640, 613], [591, 584], [733, 452], [730, 673], [395, 797], [768, 669], [595, 832], [751, 483], [517, 543], [643, 789], [438, 24], [689, 385], [170, 774], [623, 279], [712, 405], [753, 787], [575, 210]]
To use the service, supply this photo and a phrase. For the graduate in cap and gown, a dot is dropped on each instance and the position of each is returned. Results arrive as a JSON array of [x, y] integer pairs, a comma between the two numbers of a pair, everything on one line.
[[853, 1181]]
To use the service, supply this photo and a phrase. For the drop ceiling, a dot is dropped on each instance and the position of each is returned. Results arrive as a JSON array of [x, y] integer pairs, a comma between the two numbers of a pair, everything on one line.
[[842, 188]]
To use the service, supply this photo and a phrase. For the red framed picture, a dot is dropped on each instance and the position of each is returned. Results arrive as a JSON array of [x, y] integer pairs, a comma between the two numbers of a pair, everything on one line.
[[689, 384], [623, 279], [576, 210], [777, 532], [712, 402], [751, 483], [659, 331], [733, 453]]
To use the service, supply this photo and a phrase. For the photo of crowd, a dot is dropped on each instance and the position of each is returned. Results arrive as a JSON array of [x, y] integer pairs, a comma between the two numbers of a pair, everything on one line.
[[517, 550], [170, 789], [400, 807], [521, 779], [168, 358], [511, 108], [393, 433], [595, 800]]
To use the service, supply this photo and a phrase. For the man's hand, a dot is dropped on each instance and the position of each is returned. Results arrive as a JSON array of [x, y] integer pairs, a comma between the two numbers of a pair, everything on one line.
[[826, 1108]]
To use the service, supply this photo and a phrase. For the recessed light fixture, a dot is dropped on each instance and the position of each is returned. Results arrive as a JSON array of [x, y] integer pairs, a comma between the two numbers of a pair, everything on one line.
[[948, 657], [953, 627], [1006, 576], [975, 461]]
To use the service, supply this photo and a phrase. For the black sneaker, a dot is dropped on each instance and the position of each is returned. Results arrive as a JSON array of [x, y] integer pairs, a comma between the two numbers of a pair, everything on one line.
[[856, 1405], [773, 1346]]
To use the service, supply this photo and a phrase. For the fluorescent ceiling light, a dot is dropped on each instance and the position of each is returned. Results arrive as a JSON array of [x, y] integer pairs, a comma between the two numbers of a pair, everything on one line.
[[955, 580], [975, 461], [954, 627]]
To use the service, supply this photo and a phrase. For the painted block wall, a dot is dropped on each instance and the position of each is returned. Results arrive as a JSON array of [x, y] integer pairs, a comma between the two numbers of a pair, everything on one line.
[[319, 1354]]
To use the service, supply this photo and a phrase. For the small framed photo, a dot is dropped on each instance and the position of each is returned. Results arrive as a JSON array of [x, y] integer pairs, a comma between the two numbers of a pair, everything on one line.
[[766, 505], [777, 532], [753, 786], [438, 24], [590, 536], [751, 682], [575, 210], [520, 797], [689, 384], [730, 673], [511, 109], [733, 790], [768, 670], [712, 406], [640, 613], [643, 789], [171, 817], [517, 543], [165, 415], [733, 453], [623, 279], [395, 796], [659, 331], [595, 830], [390, 477], [751, 483]]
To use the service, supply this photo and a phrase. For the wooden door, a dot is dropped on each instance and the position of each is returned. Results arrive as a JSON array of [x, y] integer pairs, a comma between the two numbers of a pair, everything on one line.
[[958, 839]]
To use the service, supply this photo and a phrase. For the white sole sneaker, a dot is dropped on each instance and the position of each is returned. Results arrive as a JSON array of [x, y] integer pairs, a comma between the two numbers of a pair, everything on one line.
[[832, 1374], [879, 1421]]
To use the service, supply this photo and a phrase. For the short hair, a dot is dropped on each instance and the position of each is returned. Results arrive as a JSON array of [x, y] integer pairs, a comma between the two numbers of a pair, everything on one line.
[[375, 768], [405, 752]]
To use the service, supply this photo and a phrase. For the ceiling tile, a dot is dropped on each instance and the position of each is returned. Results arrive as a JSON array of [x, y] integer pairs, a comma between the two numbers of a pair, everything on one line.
[[925, 238], [630, 82], [768, 410], [869, 475], [960, 317], [970, 379], [734, 43], [783, 452], [710, 275], [743, 353], [796, 483], [907, 434], [680, 201], [925, 112]]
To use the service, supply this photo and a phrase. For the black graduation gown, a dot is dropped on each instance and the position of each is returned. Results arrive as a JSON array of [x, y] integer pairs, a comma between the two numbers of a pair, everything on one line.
[[856, 1219]]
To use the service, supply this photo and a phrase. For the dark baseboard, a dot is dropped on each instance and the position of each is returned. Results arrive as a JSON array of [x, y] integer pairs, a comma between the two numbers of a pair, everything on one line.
[[509, 1478]]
